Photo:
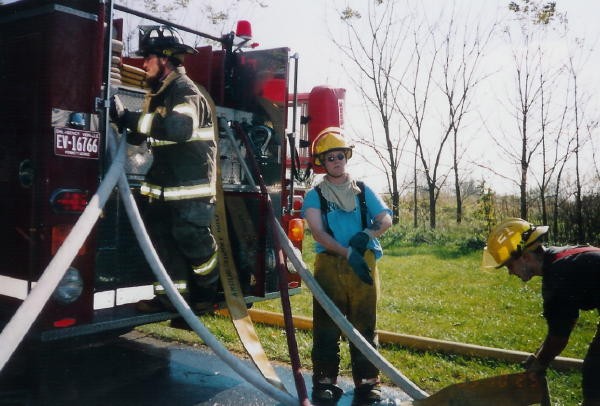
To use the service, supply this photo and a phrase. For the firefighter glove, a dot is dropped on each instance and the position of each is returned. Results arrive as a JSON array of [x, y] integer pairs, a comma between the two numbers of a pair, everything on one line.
[[359, 242], [124, 119], [117, 112], [359, 266]]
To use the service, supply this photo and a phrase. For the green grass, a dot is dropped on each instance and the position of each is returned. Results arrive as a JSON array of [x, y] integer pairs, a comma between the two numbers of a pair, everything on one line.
[[438, 292]]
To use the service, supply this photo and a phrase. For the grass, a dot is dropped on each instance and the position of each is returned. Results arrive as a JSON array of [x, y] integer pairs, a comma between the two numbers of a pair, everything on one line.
[[440, 293]]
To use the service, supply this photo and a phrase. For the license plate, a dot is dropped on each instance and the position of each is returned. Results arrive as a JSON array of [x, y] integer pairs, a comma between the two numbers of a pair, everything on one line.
[[74, 143]]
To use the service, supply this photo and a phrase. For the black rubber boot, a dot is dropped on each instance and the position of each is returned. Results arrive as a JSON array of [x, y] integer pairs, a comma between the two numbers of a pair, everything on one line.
[[367, 394], [326, 393]]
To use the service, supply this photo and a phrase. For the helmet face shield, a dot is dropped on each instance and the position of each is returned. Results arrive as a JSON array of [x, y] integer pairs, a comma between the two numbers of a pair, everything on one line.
[[510, 239]]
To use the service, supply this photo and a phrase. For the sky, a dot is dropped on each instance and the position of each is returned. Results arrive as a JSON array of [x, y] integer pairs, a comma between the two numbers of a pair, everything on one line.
[[307, 28]]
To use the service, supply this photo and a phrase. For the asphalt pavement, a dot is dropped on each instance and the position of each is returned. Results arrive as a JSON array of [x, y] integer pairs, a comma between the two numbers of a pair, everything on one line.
[[138, 370]]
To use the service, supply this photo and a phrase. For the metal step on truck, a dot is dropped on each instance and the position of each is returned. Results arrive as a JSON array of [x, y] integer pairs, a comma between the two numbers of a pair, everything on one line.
[[59, 62]]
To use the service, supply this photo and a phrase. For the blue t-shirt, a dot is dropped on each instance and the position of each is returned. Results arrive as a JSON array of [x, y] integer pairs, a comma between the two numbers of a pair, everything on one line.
[[345, 224]]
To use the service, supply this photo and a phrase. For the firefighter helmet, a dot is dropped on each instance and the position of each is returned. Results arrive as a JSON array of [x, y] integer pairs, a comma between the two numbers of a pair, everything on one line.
[[163, 41], [510, 239], [327, 140]]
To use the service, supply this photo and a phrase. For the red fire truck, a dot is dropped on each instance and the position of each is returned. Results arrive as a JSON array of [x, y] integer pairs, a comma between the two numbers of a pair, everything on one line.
[[58, 60]]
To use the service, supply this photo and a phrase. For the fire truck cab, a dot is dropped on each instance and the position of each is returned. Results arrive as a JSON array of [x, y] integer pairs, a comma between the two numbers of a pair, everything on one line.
[[58, 60]]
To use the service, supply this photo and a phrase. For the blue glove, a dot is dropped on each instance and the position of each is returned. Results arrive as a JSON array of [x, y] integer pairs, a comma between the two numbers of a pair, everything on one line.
[[359, 242], [359, 266]]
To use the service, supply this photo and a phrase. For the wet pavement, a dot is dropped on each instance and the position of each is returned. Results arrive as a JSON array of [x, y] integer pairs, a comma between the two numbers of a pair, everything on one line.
[[138, 370]]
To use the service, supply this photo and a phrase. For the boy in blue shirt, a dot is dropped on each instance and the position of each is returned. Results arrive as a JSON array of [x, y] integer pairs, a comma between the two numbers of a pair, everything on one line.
[[345, 218]]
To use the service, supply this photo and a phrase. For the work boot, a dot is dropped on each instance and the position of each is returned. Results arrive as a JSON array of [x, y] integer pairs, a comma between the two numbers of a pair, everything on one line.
[[326, 393], [155, 305], [367, 394], [203, 298]]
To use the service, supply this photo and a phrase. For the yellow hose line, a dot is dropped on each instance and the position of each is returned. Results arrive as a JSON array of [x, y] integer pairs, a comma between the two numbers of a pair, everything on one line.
[[420, 343]]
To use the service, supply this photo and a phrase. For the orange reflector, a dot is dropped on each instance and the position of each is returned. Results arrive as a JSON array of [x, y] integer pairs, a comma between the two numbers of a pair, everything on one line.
[[296, 230], [66, 322], [59, 234]]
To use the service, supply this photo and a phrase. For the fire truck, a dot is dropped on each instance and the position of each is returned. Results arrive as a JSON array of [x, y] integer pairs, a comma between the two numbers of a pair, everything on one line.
[[60, 60]]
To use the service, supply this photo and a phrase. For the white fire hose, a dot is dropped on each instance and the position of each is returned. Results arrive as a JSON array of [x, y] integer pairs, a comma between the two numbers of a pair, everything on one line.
[[26, 314], [28, 311], [181, 305]]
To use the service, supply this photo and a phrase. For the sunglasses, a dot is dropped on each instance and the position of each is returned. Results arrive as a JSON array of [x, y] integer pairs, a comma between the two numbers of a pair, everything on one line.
[[337, 157]]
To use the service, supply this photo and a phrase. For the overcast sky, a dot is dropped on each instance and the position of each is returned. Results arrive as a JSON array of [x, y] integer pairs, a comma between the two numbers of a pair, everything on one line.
[[306, 27]]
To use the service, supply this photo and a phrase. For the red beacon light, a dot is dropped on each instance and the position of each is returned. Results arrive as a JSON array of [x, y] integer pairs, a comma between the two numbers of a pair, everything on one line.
[[244, 30]]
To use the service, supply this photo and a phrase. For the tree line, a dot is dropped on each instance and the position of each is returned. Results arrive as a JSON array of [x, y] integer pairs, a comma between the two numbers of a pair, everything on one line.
[[484, 208], [516, 77]]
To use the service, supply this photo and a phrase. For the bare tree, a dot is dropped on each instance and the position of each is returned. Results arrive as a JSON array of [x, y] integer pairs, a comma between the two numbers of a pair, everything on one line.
[[553, 132], [463, 52], [405, 63], [531, 80], [448, 57], [579, 104], [554, 157], [417, 87], [374, 55], [569, 135]]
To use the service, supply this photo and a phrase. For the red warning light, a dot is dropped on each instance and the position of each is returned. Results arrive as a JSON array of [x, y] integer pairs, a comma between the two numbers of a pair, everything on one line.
[[69, 200], [66, 322]]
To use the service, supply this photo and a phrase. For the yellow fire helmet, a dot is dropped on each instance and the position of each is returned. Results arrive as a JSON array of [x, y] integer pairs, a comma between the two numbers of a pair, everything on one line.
[[509, 240], [331, 138]]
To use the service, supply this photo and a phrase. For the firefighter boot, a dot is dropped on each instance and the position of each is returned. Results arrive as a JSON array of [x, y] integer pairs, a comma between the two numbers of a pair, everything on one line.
[[367, 394], [205, 298], [204, 287], [326, 393]]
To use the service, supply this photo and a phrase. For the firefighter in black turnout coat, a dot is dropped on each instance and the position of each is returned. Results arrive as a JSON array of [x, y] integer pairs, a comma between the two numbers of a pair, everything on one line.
[[181, 183], [570, 283]]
